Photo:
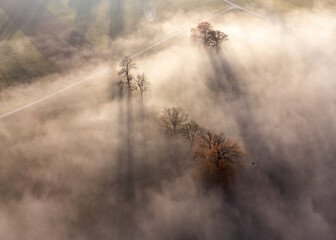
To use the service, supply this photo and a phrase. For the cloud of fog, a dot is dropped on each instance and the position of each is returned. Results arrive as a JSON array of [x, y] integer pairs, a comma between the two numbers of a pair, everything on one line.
[[60, 160]]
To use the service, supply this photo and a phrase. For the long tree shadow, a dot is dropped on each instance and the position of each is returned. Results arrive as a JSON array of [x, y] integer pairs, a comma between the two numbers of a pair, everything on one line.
[[116, 15], [267, 161], [86, 13]]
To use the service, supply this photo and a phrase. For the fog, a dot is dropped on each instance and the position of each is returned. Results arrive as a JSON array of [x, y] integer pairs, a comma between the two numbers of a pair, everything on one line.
[[62, 167]]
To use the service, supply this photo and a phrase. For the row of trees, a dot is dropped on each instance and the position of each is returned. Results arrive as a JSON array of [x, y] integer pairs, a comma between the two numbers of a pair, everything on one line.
[[203, 34], [139, 83], [175, 121], [217, 158]]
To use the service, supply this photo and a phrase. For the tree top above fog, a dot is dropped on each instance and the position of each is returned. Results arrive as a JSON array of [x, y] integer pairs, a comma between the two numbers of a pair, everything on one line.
[[205, 35]]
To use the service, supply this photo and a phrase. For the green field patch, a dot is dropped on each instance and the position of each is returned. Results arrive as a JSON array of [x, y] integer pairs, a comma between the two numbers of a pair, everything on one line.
[[99, 24], [20, 61]]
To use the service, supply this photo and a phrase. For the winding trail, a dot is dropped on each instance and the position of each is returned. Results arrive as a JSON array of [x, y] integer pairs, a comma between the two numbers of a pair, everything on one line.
[[232, 6]]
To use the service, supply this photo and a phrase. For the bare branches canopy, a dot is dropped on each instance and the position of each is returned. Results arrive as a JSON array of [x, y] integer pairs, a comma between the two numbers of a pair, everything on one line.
[[174, 118], [125, 74], [141, 84], [192, 131]]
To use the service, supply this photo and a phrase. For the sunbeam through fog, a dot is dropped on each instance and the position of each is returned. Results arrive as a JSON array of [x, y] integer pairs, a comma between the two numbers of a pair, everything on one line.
[[167, 119]]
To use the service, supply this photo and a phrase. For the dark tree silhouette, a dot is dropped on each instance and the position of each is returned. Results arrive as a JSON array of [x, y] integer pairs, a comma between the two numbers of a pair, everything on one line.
[[141, 84], [173, 119], [125, 74], [205, 35], [192, 131]]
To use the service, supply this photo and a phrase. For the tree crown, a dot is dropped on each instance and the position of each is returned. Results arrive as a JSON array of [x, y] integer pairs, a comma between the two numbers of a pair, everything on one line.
[[141, 84], [173, 118], [205, 35], [125, 74]]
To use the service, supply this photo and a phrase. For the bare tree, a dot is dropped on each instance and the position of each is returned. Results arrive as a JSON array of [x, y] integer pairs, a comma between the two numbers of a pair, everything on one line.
[[174, 118], [125, 75], [192, 131], [205, 35], [141, 84]]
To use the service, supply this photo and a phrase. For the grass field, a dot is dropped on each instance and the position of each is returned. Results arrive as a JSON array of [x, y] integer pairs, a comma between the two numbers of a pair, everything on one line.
[[168, 20], [20, 62]]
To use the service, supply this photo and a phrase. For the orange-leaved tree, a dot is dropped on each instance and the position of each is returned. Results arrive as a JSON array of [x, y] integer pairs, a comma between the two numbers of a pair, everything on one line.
[[218, 158]]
